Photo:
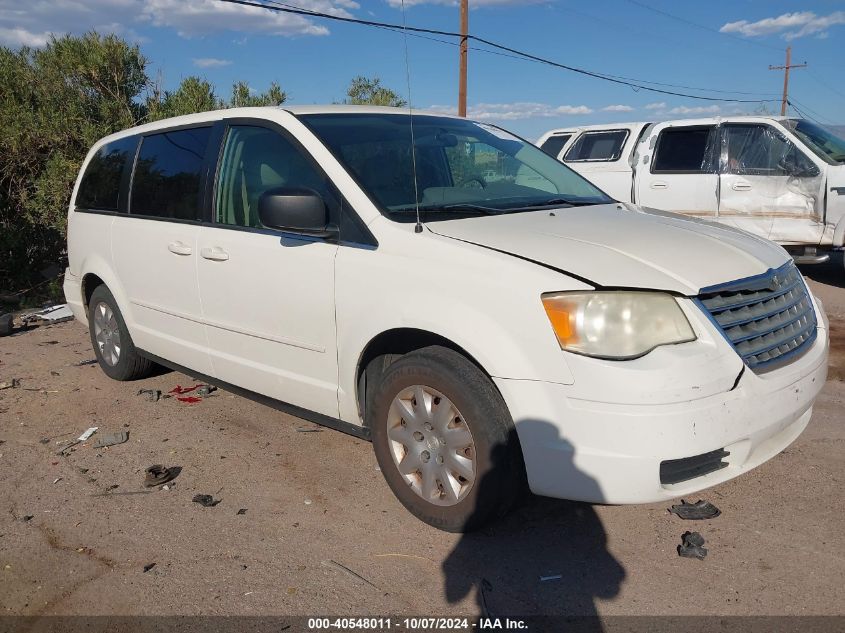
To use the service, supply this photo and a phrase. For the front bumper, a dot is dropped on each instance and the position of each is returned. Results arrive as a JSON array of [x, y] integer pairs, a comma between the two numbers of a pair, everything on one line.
[[611, 452]]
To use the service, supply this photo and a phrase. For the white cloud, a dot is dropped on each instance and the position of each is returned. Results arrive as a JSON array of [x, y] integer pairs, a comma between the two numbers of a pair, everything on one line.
[[658, 105], [713, 109], [617, 108], [189, 18], [514, 111], [789, 25], [210, 62]]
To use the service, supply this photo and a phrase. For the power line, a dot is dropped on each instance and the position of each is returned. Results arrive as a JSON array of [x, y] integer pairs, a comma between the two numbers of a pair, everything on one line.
[[285, 8], [699, 26]]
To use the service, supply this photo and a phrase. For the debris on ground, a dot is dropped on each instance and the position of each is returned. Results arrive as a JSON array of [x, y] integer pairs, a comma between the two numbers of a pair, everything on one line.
[[87, 434], [6, 324], [57, 480], [551, 577], [148, 567], [330, 564], [27, 518], [158, 474], [153, 395], [308, 430], [83, 363], [189, 399], [695, 511], [44, 440], [241, 511], [206, 501], [48, 316], [205, 390], [112, 439], [14, 383], [692, 546]]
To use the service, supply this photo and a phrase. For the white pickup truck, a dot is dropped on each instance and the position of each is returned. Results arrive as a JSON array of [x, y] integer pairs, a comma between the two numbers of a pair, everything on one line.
[[777, 177]]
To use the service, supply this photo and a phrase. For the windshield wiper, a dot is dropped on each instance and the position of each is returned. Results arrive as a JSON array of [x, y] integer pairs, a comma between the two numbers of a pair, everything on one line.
[[462, 207], [556, 202]]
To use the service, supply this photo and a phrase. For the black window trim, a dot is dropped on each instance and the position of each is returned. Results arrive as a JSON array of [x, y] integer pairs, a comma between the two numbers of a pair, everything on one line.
[[572, 145], [714, 128], [364, 237]]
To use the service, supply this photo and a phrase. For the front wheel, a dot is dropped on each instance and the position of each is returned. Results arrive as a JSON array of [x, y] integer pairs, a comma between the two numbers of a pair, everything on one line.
[[445, 441], [110, 338]]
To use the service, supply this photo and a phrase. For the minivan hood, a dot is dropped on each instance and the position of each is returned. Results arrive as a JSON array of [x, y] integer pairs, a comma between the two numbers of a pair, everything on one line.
[[621, 245]]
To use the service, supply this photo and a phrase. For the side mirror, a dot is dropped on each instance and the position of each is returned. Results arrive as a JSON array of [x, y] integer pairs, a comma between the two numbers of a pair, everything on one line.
[[297, 210]]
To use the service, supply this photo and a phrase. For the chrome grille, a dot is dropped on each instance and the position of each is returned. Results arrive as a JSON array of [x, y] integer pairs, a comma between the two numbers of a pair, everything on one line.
[[766, 318]]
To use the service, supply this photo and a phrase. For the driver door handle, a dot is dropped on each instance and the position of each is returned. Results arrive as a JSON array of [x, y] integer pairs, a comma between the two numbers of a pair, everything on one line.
[[215, 254], [741, 186], [179, 248]]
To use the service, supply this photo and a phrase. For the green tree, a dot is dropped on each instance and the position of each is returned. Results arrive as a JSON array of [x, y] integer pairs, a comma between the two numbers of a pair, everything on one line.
[[243, 97], [365, 91], [192, 95]]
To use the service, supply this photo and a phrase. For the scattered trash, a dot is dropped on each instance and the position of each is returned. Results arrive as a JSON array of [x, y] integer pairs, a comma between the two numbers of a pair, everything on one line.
[[695, 511], [179, 389], [51, 315], [148, 567], [692, 546], [190, 399], [54, 373], [112, 439], [6, 324], [330, 564], [57, 480], [242, 511], [206, 501], [87, 434], [205, 390], [44, 440], [27, 518], [552, 577], [308, 430], [153, 395], [13, 384], [83, 363], [112, 487], [308, 502], [158, 474]]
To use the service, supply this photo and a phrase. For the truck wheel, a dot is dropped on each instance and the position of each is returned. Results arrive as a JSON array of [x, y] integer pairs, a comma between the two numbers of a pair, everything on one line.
[[445, 441], [110, 338]]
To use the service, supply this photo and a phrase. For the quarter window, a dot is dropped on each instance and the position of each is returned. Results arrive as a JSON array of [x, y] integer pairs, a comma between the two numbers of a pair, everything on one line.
[[255, 160], [554, 144], [168, 173], [685, 150], [605, 146], [100, 186]]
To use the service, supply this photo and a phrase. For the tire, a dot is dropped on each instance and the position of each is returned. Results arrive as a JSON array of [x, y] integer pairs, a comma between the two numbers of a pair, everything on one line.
[[468, 447], [111, 341]]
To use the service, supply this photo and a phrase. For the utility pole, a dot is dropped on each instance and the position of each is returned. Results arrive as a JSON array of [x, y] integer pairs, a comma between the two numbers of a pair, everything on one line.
[[462, 81], [785, 68]]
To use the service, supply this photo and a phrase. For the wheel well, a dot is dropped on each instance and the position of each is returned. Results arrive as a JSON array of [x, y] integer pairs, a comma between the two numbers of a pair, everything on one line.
[[89, 284], [387, 347]]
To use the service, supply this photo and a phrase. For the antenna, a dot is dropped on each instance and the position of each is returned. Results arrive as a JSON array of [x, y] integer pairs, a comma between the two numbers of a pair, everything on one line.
[[418, 228]]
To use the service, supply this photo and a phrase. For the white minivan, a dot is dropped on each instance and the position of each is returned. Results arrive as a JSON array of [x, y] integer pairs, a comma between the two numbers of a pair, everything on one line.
[[777, 177], [484, 331]]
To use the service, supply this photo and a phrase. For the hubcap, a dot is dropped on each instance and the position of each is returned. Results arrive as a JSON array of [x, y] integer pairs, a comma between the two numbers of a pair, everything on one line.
[[107, 333], [431, 445]]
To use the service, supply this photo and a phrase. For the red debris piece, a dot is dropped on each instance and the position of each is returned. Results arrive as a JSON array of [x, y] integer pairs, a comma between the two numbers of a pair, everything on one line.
[[181, 389], [190, 399]]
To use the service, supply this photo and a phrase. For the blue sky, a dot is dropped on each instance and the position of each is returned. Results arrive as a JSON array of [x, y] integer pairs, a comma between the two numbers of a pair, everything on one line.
[[718, 45]]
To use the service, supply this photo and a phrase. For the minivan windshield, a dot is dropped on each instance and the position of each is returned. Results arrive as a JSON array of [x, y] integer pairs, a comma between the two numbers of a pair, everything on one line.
[[462, 167], [823, 143]]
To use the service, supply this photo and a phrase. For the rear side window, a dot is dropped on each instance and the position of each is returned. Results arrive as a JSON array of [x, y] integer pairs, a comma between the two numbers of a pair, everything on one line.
[[168, 173], [554, 144], [100, 186], [685, 150], [597, 146]]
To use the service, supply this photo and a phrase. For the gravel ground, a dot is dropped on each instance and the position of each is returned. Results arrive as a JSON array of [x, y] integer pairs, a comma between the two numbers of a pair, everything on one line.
[[322, 534]]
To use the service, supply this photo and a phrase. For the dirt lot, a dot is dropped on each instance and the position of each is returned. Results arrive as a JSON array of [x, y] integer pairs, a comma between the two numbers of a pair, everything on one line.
[[76, 532]]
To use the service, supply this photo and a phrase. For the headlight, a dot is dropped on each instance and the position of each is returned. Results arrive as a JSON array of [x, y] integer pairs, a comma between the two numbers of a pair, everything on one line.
[[616, 324]]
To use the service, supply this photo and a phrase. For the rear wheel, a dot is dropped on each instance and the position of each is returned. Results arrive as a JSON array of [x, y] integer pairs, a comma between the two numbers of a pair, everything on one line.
[[445, 441], [110, 338]]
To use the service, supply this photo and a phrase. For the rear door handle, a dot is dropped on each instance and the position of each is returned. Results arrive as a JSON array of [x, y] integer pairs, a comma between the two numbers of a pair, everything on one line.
[[659, 185], [741, 186], [179, 248], [215, 253]]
